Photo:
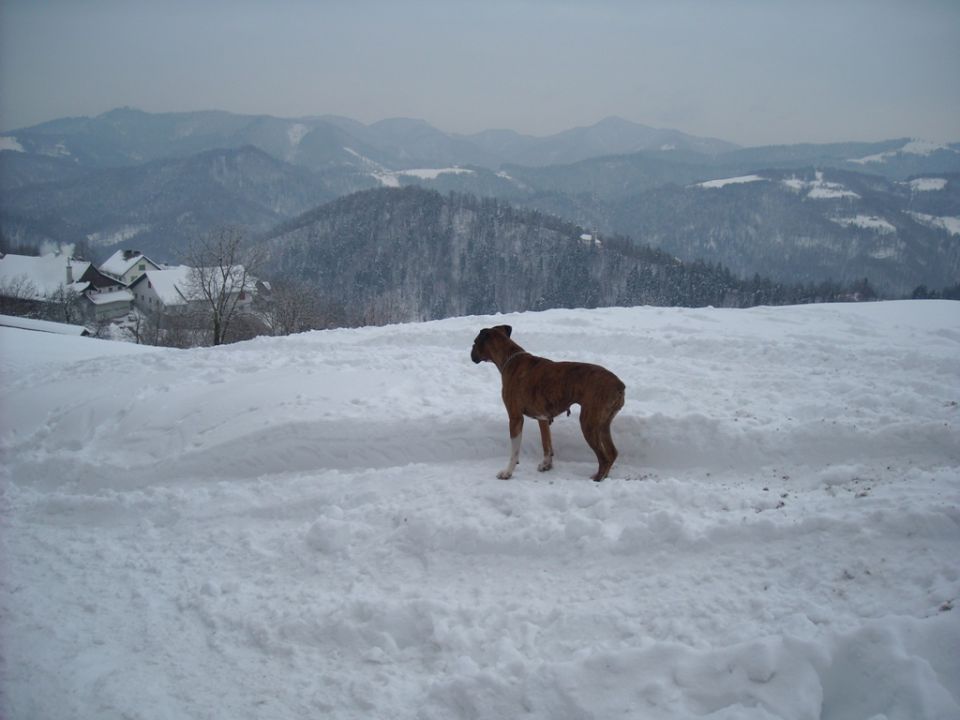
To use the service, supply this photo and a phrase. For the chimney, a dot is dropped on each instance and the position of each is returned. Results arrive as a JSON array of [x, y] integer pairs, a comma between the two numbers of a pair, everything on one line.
[[69, 272]]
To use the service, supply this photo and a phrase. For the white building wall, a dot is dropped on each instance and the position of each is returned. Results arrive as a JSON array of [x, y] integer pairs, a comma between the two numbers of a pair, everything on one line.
[[145, 298], [137, 269]]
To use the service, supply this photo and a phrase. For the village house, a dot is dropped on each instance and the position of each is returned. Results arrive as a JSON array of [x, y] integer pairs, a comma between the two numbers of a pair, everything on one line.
[[109, 304], [162, 291], [29, 285], [59, 287], [38, 278], [127, 266], [174, 290]]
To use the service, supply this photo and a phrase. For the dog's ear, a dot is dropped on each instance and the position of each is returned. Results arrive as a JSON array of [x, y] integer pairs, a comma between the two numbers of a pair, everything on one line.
[[506, 329], [478, 343]]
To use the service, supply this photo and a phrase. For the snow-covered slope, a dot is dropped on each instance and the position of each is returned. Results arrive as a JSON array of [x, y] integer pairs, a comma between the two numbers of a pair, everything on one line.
[[311, 526]]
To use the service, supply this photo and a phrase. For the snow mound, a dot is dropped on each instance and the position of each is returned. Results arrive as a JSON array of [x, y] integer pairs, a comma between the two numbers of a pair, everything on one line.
[[311, 526]]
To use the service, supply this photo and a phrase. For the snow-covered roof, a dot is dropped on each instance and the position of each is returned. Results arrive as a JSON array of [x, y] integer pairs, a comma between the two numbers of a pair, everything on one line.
[[46, 273], [112, 296], [42, 325], [121, 261], [172, 285]]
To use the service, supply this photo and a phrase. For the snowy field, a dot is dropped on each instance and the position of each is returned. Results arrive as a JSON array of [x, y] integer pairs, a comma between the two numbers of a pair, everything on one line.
[[311, 526]]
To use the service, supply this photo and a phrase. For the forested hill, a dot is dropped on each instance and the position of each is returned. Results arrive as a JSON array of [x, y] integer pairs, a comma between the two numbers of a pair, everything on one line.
[[392, 255]]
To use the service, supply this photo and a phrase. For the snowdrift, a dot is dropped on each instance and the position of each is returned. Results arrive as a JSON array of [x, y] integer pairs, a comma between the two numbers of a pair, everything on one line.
[[311, 526]]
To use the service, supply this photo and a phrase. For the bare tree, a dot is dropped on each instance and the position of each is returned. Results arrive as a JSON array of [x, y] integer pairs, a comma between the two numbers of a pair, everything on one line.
[[18, 295], [181, 329], [221, 280], [134, 327], [63, 305], [294, 306], [99, 327]]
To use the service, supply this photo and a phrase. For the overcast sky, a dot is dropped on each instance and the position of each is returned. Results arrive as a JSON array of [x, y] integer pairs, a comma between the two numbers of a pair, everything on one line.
[[750, 71]]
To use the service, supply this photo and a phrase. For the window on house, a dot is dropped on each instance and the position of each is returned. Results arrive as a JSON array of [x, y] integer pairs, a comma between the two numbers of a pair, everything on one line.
[[141, 267]]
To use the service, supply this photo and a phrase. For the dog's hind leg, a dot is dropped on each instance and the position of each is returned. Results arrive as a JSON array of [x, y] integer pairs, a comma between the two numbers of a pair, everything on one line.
[[516, 433], [609, 450], [605, 439], [589, 424], [547, 462]]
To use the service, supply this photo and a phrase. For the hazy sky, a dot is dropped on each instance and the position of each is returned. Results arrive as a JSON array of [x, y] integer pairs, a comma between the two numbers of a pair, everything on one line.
[[749, 71]]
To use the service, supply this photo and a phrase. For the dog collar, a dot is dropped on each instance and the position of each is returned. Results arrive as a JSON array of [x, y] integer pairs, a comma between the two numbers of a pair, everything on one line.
[[519, 352]]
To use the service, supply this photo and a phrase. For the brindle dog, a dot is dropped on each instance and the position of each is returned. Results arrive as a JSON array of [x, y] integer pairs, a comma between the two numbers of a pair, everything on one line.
[[542, 389]]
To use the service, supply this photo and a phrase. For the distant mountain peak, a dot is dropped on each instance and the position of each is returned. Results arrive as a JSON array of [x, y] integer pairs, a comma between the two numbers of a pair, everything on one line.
[[403, 123], [123, 111], [907, 146], [617, 121]]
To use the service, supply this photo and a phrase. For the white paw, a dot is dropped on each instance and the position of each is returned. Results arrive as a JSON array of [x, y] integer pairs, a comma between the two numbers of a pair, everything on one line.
[[545, 465], [505, 474]]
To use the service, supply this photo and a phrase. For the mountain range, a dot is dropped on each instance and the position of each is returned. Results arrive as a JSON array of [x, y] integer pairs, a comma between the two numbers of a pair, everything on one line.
[[888, 211], [126, 136]]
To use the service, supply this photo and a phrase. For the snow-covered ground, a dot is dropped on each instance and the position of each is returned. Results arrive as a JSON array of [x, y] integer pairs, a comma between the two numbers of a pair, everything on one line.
[[391, 178], [928, 184], [950, 224], [311, 526], [714, 184], [9, 142], [911, 147], [819, 189], [867, 222]]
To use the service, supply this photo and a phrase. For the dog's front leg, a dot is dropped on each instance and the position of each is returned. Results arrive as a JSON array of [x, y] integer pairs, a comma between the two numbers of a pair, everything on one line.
[[547, 462], [516, 432]]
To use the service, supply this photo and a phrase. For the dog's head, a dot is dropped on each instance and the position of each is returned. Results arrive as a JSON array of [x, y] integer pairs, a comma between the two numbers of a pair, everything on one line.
[[486, 338]]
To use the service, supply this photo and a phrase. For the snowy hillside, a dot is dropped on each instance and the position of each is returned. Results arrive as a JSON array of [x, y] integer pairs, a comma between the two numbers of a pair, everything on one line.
[[311, 526]]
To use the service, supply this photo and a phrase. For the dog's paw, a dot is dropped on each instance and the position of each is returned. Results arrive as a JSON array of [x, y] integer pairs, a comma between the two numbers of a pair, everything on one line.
[[504, 475], [545, 465]]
